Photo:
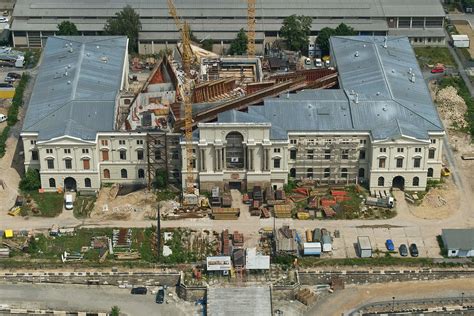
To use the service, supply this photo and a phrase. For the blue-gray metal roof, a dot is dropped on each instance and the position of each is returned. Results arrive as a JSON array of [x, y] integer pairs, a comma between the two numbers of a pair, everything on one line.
[[76, 87], [378, 94]]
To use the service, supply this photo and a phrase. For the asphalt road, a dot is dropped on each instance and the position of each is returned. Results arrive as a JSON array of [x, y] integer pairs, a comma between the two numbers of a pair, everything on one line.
[[87, 299]]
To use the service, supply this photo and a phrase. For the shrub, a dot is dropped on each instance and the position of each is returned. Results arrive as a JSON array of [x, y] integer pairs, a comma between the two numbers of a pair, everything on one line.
[[31, 181]]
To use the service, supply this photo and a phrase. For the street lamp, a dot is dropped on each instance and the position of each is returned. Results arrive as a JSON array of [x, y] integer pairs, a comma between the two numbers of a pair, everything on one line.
[[393, 303], [462, 298]]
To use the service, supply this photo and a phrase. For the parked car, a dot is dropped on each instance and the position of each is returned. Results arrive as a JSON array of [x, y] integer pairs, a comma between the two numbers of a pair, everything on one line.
[[413, 250], [318, 62], [403, 250], [3, 118], [445, 172], [389, 245], [160, 296], [12, 76], [3, 19], [437, 70], [5, 85], [139, 290], [68, 202]]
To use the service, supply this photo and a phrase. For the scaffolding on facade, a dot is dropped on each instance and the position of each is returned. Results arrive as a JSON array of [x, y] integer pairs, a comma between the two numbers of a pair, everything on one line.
[[157, 156], [327, 160]]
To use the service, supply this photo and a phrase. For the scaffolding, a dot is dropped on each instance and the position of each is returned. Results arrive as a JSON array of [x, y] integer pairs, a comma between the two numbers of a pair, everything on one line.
[[157, 156], [327, 160]]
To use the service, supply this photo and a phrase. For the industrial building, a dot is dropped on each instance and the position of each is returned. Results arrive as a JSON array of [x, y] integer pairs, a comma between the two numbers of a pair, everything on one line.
[[458, 242], [421, 21], [74, 132], [380, 126]]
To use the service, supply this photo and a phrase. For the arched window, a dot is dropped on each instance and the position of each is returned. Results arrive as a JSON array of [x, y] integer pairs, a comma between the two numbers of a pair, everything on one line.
[[309, 173], [234, 155], [141, 173], [87, 182], [52, 183], [381, 182], [293, 173], [361, 173], [123, 173], [344, 173], [106, 174], [430, 172], [416, 181]]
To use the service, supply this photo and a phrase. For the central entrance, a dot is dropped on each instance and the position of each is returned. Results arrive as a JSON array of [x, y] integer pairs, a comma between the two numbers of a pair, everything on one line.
[[398, 182], [70, 184]]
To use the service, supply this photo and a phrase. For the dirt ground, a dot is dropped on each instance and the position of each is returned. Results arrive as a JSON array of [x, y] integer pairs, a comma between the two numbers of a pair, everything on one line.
[[137, 205]]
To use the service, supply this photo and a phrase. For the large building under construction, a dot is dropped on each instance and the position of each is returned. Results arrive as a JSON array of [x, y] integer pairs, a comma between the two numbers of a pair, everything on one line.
[[220, 20], [380, 126]]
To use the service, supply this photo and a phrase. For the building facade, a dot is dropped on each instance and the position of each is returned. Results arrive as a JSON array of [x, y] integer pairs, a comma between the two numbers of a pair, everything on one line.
[[380, 127], [422, 20]]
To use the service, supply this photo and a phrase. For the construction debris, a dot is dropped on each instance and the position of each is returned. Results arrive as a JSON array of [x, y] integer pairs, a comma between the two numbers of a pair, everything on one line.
[[306, 296], [223, 213], [283, 210]]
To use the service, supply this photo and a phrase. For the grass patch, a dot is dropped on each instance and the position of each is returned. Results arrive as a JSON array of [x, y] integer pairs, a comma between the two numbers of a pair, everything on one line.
[[3, 140], [163, 195], [386, 260], [465, 52], [433, 55], [50, 204], [351, 207], [463, 91], [83, 206]]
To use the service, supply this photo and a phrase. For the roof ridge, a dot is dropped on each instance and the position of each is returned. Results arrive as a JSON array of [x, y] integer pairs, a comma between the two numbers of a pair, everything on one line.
[[47, 115], [78, 71], [416, 113]]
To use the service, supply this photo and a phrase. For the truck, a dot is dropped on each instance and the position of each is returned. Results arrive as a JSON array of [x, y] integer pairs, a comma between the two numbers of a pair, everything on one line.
[[364, 247], [460, 41], [387, 202]]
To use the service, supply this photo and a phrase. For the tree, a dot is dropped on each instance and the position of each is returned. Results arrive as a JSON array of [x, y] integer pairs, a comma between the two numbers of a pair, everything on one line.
[[239, 44], [323, 37], [295, 31], [126, 22], [161, 179], [31, 181], [207, 44], [345, 30], [115, 311], [67, 28]]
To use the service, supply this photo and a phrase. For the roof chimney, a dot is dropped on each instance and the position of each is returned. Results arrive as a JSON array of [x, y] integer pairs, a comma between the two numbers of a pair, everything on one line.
[[356, 53], [410, 70], [356, 100], [412, 79]]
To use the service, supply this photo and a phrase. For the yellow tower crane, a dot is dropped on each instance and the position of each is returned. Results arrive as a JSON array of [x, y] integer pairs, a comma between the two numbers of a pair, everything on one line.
[[186, 92], [251, 27]]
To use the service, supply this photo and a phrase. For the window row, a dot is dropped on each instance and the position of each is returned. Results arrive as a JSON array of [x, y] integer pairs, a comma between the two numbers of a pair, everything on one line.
[[87, 183], [327, 154], [68, 164], [381, 181], [123, 155], [124, 174]]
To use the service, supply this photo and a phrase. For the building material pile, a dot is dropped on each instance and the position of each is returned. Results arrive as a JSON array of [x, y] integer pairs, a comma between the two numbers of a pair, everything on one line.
[[238, 239], [452, 107], [225, 213], [275, 197], [306, 296], [133, 255], [286, 240], [226, 243], [283, 210], [4, 253], [121, 238]]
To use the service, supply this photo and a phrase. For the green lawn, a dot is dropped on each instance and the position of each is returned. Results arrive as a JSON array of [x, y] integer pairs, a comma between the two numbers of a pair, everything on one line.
[[434, 55], [83, 205], [50, 204]]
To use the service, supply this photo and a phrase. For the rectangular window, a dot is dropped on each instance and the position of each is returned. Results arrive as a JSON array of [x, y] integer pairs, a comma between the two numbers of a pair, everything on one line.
[[175, 155], [417, 162], [433, 141], [293, 154], [293, 141], [404, 22], [362, 155], [276, 150], [86, 164], [85, 151], [33, 142], [34, 155], [327, 154], [345, 154], [363, 141], [399, 162], [158, 154], [105, 155], [383, 150], [139, 141], [68, 163], [50, 163], [418, 150], [310, 154], [400, 150], [431, 153], [49, 151], [104, 142], [121, 142], [382, 163], [276, 163], [140, 154], [67, 151], [123, 155]]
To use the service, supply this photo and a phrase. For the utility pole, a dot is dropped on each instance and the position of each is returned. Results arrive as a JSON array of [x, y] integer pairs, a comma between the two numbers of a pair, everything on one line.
[[393, 303], [158, 233], [462, 299]]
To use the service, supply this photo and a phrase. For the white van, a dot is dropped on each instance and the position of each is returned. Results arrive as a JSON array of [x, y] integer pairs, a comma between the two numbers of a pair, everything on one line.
[[68, 202], [3, 118]]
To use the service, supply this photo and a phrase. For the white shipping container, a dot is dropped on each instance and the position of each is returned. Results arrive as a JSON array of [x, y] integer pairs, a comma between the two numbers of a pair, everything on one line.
[[311, 248], [364, 247], [461, 41]]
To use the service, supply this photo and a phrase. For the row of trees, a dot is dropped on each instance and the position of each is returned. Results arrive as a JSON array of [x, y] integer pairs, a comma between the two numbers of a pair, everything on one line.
[[295, 30]]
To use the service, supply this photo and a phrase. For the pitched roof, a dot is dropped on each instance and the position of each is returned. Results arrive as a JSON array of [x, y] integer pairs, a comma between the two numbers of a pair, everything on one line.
[[378, 94], [462, 239], [76, 87]]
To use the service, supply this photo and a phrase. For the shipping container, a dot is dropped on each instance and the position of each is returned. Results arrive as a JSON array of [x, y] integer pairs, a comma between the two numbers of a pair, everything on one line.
[[311, 248], [309, 235], [364, 247], [316, 235], [327, 243]]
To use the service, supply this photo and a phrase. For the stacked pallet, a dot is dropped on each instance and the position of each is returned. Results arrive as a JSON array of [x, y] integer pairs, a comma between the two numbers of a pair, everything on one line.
[[225, 243], [306, 296], [133, 255], [282, 210], [225, 213], [238, 239], [4, 253], [265, 213]]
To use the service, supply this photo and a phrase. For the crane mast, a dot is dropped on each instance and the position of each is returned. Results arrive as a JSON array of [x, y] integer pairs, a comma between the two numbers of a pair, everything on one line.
[[251, 28]]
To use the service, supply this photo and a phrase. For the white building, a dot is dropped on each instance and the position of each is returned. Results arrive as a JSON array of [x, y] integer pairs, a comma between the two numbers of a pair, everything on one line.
[[459, 242], [380, 126]]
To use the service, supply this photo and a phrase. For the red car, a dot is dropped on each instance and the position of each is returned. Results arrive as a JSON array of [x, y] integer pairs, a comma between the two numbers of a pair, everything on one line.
[[436, 70]]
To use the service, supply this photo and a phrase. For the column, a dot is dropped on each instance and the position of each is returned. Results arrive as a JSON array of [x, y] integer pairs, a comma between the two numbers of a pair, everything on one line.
[[224, 158]]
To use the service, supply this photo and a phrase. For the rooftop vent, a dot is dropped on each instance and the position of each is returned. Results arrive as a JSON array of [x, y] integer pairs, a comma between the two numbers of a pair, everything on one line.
[[356, 53], [356, 100], [385, 42], [410, 70], [69, 82], [104, 59], [412, 78]]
